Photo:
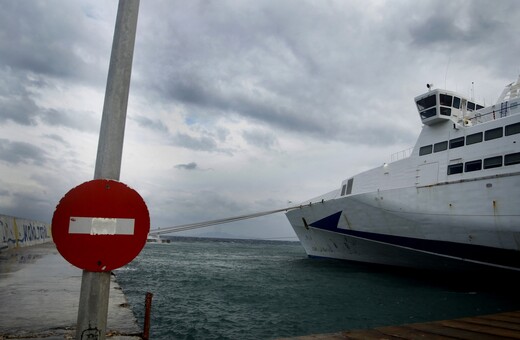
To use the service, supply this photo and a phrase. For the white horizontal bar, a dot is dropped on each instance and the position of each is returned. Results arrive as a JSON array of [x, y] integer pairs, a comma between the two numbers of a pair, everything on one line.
[[101, 226]]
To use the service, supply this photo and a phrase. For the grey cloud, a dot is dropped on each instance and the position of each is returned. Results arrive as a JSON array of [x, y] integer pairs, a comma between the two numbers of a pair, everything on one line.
[[22, 110], [21, 152], [265, 62], [34, 205], [464, 25], [204, 205], [194, 91], [264, 140], [16, 100], [189, 166], [36, 201], [309, 69], [57, 138], [44, 44], [437, 28], [276, 111], [156, 125], [381, 135], [222, 134], [49, 38], [18, 103], [471, 33], [203, 143], [78, 120]]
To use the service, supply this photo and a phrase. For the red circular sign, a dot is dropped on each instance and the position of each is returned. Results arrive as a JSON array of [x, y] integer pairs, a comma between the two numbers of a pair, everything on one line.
[[100, 225]]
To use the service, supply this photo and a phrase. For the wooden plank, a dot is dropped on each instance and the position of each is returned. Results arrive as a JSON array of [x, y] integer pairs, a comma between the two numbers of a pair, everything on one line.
[[405, 332], [493, 323], [347, 335], [369, 334], [515, 314], [332, 336], [487, 327], [507, 317], [481, 329], [438, 329]]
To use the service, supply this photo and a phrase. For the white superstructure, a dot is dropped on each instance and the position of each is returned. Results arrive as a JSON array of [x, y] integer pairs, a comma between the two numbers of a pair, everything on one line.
[[455, 200]]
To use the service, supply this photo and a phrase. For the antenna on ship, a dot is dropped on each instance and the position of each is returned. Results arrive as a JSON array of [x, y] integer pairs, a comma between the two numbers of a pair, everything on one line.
[[446, 74], [429, 86]]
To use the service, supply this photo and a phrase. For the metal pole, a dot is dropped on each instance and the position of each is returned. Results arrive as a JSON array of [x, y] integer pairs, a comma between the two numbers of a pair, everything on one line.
[[147, 315], [95, 286]]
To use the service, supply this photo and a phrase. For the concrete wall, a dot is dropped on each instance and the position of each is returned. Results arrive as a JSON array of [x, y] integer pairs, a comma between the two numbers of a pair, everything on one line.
[[19, 232]]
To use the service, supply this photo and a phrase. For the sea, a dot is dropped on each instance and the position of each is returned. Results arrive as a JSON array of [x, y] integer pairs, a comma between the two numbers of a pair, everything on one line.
[[257, 289]]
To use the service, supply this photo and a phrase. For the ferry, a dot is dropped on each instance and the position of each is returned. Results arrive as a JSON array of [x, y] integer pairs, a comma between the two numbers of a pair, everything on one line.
[[452, 202]]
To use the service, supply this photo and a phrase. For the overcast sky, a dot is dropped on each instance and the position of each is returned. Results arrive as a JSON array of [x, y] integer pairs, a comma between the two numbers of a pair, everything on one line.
[[235, 106]]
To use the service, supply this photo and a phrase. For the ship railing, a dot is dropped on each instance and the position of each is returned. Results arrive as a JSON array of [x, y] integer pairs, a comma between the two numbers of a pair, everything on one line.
[[401, 154], [486, 116], [494, 112]]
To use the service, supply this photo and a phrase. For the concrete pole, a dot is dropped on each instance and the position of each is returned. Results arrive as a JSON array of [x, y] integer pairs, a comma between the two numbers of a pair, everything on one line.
[[95, 286], [110, 146]]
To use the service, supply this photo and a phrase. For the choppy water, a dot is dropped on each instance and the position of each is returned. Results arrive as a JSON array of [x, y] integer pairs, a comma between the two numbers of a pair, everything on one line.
[[219, 289]]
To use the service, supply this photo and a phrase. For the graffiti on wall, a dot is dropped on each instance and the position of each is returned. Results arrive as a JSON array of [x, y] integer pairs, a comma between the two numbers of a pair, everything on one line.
[[33, 232], [18, 232], [7, 235]]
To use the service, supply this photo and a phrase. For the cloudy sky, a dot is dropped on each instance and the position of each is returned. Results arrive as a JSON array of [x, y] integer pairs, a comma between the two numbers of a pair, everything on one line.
[[235, 106]]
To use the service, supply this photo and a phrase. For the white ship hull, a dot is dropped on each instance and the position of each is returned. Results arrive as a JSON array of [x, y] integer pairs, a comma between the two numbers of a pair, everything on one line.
[[449, 208], [418, 227]]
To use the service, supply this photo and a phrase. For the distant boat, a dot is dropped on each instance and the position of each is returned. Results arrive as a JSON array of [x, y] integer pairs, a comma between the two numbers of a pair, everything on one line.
[[453, 201], [156, 239]]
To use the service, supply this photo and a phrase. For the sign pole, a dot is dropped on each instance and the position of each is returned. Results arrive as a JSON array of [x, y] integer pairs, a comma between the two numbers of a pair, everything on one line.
[[95, 286]]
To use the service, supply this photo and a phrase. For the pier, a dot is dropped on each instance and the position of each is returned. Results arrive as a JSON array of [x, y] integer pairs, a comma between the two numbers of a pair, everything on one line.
[[493, 327], [39, 294]]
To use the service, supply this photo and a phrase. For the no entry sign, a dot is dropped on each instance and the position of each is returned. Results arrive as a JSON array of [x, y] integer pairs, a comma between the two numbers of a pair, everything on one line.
[[100, 225]]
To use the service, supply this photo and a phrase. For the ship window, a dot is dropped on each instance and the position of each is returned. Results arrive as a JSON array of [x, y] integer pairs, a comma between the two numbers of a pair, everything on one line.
[[343, 189], [445, 100], [428, 113], [425, 150], [455, 169], [445, 111], [349, 186], [512, 129], [493, 162], [456, 142], [474, 138], [427, 102], [456, 102], [512, 158], [471, 106], [473, 166], [479, 107], [441, 146], [493, 134]]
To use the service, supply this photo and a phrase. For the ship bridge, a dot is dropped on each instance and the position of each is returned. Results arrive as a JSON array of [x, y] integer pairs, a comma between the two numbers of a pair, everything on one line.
[[437, 106]]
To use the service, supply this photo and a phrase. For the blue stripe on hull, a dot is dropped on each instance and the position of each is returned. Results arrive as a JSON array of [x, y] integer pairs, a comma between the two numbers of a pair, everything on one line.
[[484, 254]]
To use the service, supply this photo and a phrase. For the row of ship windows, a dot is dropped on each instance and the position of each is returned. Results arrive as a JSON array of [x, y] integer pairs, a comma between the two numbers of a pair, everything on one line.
[[458, 142], [491, 162], [446, 100]]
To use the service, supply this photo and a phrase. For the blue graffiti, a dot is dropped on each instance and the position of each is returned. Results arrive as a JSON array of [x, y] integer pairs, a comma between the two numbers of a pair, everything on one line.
[[28, 232], [8, 235], [34, 232]]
